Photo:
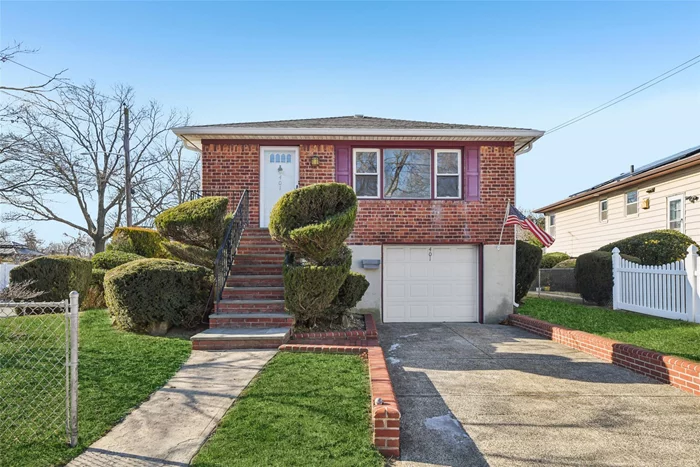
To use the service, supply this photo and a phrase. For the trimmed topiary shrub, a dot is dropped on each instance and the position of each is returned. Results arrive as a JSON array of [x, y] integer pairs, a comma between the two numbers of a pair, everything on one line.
[[566, 264], [309, 290], [56, 276], [111, 259], [191, 254], [144, 294], [97, 277], [549, 260], [95, 297], [527, 261], [141, 241], [654, 248], [199, 222], [314, 221], [593, 273], [350, 293]]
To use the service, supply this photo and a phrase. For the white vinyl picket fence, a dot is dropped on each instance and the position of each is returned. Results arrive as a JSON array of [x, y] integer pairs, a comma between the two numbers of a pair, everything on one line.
[[667, 291], [5, 269]]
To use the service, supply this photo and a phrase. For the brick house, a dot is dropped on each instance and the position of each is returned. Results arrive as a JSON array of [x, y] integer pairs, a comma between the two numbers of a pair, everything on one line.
[[431, 201]]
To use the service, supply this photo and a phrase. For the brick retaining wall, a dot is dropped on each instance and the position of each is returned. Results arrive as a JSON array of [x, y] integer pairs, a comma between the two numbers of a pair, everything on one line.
[[386, 418], [678, 372], [364, 338]]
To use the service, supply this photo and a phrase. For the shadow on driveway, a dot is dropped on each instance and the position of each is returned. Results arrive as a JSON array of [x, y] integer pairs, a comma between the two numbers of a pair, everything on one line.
[[473, 395]]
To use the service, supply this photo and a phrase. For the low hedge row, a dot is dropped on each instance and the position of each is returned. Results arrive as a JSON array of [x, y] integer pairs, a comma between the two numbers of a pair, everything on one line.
[[654, 248]]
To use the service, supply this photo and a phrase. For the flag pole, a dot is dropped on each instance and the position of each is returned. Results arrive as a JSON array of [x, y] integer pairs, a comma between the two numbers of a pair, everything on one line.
[[505, 217]]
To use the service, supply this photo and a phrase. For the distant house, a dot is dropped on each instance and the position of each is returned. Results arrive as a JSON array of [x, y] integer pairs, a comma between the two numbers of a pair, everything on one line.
[[13, 252], [661, 195]]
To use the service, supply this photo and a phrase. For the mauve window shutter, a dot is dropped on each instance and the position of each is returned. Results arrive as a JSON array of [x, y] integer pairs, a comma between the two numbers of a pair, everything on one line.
[[343, 164], [471, 175]]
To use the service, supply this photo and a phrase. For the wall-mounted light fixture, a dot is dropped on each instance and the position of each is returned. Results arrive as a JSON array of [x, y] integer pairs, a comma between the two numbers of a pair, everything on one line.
[[314, 160], [692, 198], [651, 190]]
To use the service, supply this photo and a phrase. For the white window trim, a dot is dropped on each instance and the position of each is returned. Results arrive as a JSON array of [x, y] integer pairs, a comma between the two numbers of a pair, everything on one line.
[[681, 198], [551, 232], [458, 174], [355, 173], [636, 214], [600, 210]]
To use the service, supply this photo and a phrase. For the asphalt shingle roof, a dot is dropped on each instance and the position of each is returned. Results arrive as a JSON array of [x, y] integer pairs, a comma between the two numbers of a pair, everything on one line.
[[360, 121]]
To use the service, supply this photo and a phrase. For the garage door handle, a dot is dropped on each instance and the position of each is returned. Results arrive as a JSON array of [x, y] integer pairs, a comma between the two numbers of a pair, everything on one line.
[[430, 254]]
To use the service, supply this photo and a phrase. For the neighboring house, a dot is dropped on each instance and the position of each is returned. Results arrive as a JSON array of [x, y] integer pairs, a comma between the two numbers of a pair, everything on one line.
[[16, 252], [431, 201], [660, 195]]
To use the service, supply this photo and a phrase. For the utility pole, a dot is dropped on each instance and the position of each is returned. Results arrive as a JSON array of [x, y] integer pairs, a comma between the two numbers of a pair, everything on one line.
[[127, 167]]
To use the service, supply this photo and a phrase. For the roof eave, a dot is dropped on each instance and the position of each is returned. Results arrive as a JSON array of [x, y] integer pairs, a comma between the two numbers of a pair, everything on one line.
[[190, 134], [624, 183]]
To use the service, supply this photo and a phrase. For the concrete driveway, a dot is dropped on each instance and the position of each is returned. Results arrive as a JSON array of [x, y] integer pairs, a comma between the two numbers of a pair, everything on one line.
[[473, 395]]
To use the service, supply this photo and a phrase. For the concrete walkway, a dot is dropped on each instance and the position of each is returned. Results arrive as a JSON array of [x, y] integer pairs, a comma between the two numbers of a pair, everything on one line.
[[169, 428], [473, 395]]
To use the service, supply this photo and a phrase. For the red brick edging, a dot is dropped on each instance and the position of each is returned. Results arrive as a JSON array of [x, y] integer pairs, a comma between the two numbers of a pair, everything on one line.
[[678, 372], [385, 417], [366, 337]]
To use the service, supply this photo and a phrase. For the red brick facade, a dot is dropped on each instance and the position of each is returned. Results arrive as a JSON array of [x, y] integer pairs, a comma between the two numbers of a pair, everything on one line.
[[234, 167]]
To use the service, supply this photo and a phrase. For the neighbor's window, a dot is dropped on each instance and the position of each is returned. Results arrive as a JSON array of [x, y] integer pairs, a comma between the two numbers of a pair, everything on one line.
[[448, 173], [407, 173], [551, 221], [366, 179], [631, 203], [675, 213], [604, 210]]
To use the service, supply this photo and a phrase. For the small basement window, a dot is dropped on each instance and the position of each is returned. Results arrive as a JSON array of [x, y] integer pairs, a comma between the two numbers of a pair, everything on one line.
[[631, 203], [366, 172], [604, 210], [448, 173]]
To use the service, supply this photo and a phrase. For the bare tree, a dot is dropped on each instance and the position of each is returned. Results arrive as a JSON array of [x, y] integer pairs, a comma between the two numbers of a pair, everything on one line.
[[70, 147], [80, 245]]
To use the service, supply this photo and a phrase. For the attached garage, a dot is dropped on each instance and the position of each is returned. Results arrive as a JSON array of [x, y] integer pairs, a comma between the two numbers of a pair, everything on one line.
[[430, 283]]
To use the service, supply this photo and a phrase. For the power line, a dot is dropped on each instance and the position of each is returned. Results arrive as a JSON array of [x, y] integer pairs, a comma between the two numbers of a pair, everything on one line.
[[62, 80], [642, 87]]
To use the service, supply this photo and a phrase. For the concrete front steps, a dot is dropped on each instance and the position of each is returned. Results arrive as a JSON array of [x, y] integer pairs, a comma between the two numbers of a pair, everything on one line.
[[250, 314]]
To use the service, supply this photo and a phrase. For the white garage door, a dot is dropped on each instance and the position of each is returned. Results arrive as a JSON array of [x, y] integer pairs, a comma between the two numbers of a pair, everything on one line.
[[425, 283]]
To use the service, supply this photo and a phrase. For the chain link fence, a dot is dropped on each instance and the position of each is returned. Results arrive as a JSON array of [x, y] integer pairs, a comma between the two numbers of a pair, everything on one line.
[[39, 372]]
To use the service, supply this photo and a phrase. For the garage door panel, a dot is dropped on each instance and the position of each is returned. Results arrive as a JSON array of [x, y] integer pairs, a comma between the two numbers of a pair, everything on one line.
[[432, 283]]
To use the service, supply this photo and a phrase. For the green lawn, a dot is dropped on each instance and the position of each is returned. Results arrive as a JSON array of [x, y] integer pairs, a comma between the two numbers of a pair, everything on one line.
[[663, 335], [302, 410], [117, 371]]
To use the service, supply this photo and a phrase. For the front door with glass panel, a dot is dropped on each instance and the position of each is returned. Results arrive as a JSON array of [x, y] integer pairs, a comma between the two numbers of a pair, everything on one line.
[[675, 213], [279, 173]]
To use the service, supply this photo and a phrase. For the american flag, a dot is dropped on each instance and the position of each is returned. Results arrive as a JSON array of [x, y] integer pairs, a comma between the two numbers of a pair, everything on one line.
[[516, 217]]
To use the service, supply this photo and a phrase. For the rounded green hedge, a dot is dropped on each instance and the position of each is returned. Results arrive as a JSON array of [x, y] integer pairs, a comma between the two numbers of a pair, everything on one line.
[[527, 262], [549, 260], [112, 258], [593, 273], [566, 264], [147, 292], [147, 243], [56, 276], [314, 221], [199, 222], [349, 294], [654, 248]]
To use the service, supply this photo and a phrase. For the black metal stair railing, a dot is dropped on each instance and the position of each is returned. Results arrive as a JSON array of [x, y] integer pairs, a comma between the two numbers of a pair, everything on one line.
[[227, 250]]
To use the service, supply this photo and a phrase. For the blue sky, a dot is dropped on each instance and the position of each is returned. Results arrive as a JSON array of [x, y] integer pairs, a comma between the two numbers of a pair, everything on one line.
[[520, 64]]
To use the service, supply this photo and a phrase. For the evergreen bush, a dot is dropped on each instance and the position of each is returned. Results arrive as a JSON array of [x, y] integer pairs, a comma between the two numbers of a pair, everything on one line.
[[527, 261], [549, 260], [56, 276], [593, 273], [654, 248], [199, 222], [138, 240]]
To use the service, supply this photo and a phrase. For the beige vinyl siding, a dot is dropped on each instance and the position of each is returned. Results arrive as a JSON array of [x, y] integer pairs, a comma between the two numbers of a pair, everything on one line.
[[579, 229]]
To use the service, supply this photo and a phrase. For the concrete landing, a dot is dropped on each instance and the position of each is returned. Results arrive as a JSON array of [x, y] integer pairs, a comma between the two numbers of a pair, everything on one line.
[[169, 428]]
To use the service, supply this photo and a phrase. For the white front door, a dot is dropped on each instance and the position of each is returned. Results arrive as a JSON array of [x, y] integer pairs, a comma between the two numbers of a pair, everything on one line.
[[430, 283], [279, 173]]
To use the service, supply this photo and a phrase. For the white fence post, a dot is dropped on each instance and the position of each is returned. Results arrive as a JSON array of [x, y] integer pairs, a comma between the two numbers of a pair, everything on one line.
[[73, 368], [691, 269], [617, 285]]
